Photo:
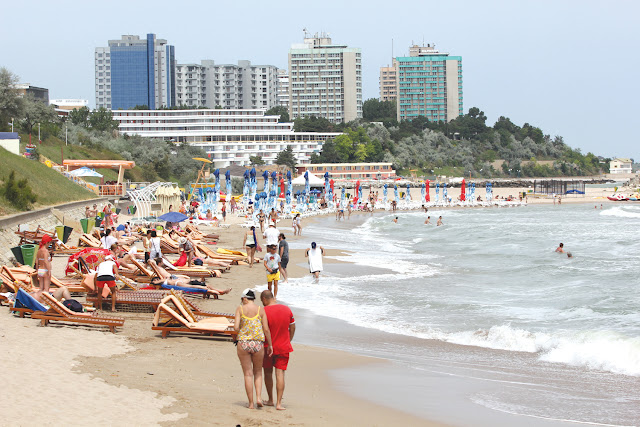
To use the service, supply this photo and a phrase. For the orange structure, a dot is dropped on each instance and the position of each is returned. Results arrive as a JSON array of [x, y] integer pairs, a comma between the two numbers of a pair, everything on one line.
[[119, 165]]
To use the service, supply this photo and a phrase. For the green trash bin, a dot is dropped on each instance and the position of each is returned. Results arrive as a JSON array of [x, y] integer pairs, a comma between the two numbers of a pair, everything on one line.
[[101, 215], [92, 223], [60, 231], [28, 254], [84, 222], [17, 253]]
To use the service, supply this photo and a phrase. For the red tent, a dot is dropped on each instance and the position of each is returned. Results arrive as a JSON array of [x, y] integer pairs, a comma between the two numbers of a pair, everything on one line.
[[462, 196], [427, 198]]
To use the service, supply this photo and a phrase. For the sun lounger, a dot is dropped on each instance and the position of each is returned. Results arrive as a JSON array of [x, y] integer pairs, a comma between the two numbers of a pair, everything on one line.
[[59, 313], [26, 304], [34, 237], [141, 274], [182, 319], [89, 241]]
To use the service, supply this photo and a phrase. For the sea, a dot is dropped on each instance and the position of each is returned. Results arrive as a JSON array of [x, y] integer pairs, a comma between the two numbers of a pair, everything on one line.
[[479, 322]]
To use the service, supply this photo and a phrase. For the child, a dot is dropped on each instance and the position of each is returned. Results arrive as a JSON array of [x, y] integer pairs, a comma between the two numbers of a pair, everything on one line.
[[272, 264]]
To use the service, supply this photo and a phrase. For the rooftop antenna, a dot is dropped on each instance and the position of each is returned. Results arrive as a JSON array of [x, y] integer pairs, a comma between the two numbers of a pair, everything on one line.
[[391, 50]]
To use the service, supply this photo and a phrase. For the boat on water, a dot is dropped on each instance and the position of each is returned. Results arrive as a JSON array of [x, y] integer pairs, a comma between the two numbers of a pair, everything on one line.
[[618, 198]]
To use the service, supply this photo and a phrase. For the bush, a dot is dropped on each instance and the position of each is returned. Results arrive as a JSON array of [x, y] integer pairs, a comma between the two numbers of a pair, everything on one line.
[[18, 193]]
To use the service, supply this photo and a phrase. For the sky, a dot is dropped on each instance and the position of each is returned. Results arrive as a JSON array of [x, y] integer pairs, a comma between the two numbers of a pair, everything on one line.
[[568, 67]]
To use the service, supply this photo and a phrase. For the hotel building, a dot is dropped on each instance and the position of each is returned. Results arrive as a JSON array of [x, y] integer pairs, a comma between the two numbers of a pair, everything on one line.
[[229, 86], [133, 71], [388, 83], [282, 97], [325, 80], [229, 137], [429, 85], [350, 170]]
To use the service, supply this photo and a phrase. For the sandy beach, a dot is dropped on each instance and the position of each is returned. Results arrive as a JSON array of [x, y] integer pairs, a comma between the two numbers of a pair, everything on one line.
[[135, 377]]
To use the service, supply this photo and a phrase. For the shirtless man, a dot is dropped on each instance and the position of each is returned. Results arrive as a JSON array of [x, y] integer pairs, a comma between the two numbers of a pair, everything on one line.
[[427, 221], [560, 248], [439, 221], [273, 216]]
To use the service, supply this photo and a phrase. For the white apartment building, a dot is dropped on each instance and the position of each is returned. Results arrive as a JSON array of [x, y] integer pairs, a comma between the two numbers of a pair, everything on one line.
[[228, 86], [229, 137], [282, 98], [621, 165], [325, 80]]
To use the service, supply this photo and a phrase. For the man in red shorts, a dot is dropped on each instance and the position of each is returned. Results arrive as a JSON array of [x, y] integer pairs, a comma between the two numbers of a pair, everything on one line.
[[282, 326]]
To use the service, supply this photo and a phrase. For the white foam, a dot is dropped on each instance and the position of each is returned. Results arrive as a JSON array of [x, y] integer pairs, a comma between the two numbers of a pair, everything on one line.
[[620, 212]]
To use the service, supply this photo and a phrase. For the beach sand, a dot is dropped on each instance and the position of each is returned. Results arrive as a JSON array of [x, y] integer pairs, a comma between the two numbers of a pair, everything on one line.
[[76, 375]]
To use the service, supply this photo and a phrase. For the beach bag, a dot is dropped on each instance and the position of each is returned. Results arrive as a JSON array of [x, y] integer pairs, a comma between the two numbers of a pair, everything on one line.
[[198, 261], [73, 305], [258, 247], [182, 260]]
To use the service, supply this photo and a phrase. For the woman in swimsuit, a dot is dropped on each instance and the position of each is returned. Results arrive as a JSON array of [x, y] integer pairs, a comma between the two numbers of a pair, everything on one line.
[[180, 279], [250, 243], [261, 219], [253, 330], [43, 264]]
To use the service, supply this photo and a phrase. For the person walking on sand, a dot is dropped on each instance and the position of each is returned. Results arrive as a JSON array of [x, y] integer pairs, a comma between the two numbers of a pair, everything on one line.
[[253, 330], [282, 326], [439, 223], [283, 251], [273, 266], [43, 264], [250, 243], [315, 254], [298, 224]]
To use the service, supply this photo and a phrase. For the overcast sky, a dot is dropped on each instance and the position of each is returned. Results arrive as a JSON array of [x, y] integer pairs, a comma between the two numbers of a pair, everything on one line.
[[568, 67]]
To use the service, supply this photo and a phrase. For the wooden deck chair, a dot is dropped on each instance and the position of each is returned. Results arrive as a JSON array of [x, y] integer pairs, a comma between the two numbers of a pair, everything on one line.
[[89, 241], [145, 297], [59, 313], [146, 273], [197, 311], [23, 310], [193, 271], [182, 320]]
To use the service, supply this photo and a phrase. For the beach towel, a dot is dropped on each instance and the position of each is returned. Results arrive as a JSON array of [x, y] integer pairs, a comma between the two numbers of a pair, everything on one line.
[[183, 289], [24, 300], [315, 260], [182, 261]]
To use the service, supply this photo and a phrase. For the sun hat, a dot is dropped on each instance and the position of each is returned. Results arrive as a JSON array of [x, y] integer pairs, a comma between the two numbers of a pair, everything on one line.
[[183, 240], [248, 294]]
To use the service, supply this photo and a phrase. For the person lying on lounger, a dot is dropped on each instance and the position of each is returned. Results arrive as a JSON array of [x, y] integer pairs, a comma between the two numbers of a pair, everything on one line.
[[195, 284]]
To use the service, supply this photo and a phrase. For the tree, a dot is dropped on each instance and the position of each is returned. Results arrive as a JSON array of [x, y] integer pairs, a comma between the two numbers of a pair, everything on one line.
[[102, 120], [80, 116], [256, 160], [374, 110], [313, 124], [279, 111], [35, 112], [286, 158], [10, 102], [18, 193]]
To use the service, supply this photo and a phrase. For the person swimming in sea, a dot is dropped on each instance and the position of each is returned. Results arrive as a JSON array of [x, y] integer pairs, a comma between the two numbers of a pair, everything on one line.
[[439, 223], [395, 220], [427, 221], [560, 248]]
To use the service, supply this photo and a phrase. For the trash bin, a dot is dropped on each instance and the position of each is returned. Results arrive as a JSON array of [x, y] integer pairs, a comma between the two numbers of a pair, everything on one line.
[[84, 222], [98, 221], [60, 232], [92, 223], [28, 254], [118, 210], [67, 233], [17, 253]]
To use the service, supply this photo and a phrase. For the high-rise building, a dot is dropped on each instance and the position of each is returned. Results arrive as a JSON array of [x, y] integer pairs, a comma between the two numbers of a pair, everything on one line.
[[388, 83], [325, 80], [282, 97], [242, 86], [133, 71], [429, 85]]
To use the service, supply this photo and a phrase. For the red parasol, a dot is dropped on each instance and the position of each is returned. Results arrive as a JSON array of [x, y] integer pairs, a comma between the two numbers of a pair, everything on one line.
[[92, 256], [462, 196], [281, 188], [355, 197], [427, 198]]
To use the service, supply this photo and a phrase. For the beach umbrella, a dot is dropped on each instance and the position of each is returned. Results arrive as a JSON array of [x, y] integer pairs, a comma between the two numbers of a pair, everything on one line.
[[422, 190], [281, 188], [360, 193], [173, 217], [227, 176], [408, 195], [253, 185], [306, 183], [326, 184], [356, 195], [289, 191], [342, 194], [462, 187], [91, 256], [384, 194], [265, 184], [245, 189], [395, 192], [437, 191], [85, 172], [473, 191], [427, 197], [444, 192]]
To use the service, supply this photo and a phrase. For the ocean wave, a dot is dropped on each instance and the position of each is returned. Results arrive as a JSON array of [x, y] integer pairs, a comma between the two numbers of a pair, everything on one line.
[[619, 212]]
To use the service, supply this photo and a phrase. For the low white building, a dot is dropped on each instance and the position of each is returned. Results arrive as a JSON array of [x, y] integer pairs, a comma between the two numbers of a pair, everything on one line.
[[229, 137], [10, 141], [620, 165]]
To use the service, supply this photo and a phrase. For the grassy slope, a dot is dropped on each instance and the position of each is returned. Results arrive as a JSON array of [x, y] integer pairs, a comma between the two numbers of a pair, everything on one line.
[[50, 186], [50, 148]]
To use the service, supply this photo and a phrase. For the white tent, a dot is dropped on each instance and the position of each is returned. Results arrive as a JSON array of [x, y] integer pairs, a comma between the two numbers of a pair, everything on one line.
[[314, 181], [85, 171]]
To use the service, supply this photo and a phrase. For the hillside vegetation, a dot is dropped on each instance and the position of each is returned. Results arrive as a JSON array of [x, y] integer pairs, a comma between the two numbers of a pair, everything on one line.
[[49, 186]]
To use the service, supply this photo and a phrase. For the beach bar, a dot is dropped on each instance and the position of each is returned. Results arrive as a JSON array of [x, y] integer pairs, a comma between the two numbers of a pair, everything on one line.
[[557, 186], [117, 189]]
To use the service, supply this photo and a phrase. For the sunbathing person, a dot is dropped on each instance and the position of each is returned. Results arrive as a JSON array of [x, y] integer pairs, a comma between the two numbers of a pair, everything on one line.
[[195, 284], [59, 294], [124, 259]]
